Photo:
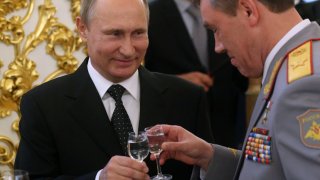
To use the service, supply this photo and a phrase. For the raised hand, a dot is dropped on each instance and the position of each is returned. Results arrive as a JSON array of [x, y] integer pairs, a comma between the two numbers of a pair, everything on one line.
[[198, 78], [184, 146]]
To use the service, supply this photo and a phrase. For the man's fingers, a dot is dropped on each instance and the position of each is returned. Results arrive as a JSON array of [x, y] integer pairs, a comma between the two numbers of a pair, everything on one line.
[[174, 151], [171, 146], [120, 167], [130, 163], [199, 78], [127, 172], [171, 132], [206, 80]]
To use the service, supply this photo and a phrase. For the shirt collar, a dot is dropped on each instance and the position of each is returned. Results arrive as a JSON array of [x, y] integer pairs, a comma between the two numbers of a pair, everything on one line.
[[102, 84], [297, 28]]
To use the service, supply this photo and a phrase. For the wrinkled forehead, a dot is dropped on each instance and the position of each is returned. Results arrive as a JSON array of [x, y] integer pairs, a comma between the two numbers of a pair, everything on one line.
[[88, 7]]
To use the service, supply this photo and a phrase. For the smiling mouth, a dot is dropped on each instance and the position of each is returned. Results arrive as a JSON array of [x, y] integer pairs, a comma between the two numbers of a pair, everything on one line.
[[124, 60]]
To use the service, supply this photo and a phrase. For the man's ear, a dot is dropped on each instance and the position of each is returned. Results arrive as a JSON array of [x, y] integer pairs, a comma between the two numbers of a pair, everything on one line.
[[249, 8], [82, 28]]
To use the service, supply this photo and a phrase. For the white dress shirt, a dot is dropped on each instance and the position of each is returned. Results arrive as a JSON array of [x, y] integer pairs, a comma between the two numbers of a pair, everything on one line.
[[130, 98]]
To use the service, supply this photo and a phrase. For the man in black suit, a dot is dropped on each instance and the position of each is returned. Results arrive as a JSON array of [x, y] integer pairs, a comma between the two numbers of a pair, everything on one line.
[[171, 50], [67, 128]]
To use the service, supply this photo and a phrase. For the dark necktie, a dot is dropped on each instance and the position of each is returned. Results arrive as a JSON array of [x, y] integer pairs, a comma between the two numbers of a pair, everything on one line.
[[120, 119]]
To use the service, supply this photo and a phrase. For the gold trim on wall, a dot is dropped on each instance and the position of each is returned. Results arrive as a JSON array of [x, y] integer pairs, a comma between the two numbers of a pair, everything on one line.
[[21, 73]]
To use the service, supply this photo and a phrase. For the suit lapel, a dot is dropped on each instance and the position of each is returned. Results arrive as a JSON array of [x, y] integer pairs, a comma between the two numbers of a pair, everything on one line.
[[152, 104], [88, 110]]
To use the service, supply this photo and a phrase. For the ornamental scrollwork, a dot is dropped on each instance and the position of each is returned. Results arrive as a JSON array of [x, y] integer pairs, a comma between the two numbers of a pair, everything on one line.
[[21, 73], [17, 80], [9, 6], [13, 26], [7, 152]]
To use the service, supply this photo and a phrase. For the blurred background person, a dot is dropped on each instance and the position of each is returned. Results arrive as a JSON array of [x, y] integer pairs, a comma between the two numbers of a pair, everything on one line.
[[179, 44], [309, 9]]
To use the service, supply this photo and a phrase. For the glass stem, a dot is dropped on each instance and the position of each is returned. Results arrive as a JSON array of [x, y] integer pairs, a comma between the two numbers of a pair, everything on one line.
[[158, 164]]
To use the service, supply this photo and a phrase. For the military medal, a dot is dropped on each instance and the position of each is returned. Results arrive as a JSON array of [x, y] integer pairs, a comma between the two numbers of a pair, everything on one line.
[[258, 147]]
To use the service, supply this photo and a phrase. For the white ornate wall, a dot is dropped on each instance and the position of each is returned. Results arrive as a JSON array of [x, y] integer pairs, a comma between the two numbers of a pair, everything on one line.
[[38, 42]]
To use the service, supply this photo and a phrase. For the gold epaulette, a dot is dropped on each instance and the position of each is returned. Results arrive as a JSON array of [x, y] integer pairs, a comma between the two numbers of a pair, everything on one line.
[[300, 62]]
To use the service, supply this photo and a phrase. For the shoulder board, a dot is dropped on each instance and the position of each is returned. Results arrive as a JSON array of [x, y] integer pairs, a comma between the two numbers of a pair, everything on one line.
[[300, 62]]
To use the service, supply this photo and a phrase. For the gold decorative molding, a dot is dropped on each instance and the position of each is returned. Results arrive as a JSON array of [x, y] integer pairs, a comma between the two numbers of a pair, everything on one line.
[[21, 73], [75, 9], [7, 152]]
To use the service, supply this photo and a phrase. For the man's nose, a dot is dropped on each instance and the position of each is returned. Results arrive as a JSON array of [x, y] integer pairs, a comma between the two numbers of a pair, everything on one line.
[[127, 48], [219, 48]]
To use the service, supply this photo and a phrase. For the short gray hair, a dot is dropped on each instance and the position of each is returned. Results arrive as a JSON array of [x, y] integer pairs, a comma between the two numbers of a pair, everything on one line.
[[86, 9]]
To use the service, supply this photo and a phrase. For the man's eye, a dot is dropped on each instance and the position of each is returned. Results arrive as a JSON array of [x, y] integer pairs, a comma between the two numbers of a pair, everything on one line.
[[139, 32], [115, 33]]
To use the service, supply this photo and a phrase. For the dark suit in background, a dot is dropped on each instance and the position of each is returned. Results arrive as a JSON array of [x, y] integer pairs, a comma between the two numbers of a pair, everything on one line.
[[66, 132], [171, 51], [309, 10]]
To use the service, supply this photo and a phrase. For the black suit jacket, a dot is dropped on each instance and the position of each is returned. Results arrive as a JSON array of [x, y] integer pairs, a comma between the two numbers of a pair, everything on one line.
[[171, 51], [66, 133]]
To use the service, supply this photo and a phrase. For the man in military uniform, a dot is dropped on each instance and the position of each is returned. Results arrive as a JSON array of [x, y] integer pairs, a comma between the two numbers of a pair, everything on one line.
[[265, 38]]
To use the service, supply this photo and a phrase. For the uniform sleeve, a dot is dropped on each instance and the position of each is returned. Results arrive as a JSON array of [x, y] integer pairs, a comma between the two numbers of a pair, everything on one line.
[[296, 132], [223, 164]]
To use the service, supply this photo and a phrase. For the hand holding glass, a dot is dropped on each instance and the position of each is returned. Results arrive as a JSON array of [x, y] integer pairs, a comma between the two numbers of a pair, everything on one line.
[[156, 137], [138, 146]]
